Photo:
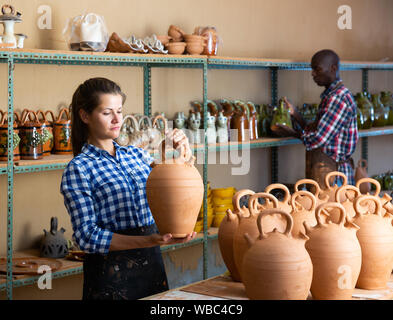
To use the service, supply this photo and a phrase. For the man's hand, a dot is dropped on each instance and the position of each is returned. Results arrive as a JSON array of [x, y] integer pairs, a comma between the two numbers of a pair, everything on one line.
[[285, 131], [295, 113]]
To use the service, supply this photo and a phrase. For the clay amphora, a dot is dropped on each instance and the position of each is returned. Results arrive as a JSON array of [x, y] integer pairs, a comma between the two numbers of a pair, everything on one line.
[[285, 203], [227, 230], [30, 137], [376, 240], [331, 190], [174, 191], [305, 202], [277, 265], [346, 190], [62, 133], [248, 224], [47, 134], [336, 256], [300, 214], [4, 137]]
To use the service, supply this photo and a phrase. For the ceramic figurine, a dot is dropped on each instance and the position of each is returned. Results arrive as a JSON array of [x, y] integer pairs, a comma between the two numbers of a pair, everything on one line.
[[222, 128], [211, 129], [8, 20], [194, 123], [53, 244]]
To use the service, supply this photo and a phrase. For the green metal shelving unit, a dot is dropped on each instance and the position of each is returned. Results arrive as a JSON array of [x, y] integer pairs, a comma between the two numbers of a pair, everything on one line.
[[147, 62]]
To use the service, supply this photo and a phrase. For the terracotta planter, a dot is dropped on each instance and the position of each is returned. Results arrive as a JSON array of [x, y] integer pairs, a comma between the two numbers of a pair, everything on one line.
[[47, 134], [30, 137], [62, 133], [174, 191], [227, 231], [4, 137], [300, 214], [306, 201], [376, 240], [285, 203], [336, 256], [329, 190], [277, 265], [247, 224]]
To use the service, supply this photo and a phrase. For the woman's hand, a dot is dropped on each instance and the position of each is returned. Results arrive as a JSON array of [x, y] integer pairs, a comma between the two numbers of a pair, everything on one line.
[[168, 239], [178, 139]]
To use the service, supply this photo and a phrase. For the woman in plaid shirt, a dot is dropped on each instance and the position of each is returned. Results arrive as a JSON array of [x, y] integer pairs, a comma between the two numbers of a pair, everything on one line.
[[331, 140], [104, 189]]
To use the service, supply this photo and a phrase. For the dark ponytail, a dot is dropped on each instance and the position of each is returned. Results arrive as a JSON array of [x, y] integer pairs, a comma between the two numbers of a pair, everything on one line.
[[87, 97]]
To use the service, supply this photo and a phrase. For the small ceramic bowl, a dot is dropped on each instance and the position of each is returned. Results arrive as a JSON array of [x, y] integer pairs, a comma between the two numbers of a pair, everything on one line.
[[193, 38], [194, 48], [224, 192], [176, 47]]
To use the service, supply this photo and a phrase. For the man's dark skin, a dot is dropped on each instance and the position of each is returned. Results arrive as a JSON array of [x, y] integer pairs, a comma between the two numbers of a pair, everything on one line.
[[325, 70]]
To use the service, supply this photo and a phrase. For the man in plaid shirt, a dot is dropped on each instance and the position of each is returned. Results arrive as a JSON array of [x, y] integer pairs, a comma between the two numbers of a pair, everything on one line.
[[334, 134]]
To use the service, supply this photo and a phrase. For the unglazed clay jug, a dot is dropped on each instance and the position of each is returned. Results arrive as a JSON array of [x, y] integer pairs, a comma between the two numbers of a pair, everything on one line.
[[305, 202], [277, 265], [227, 230], [285, 203], [301, 213], [174, 191], [350, 193], [336, 256], [248, 224], [385, 199], [376, 239], [331, 190]]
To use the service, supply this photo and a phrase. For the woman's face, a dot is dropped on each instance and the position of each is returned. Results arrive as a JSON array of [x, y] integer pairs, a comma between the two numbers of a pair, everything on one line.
[[105, 121]]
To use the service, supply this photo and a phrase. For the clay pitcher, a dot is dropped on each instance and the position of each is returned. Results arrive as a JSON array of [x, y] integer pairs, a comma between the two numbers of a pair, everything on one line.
[[227, 230], [331, 190], [277, 266], [247, 224], [174, 191], [376, 239], [336, 256], [285, 203], [47, 134], [305, 202], [334, 215], [300, 214], [238, 123], [30, 137], [62, 133]]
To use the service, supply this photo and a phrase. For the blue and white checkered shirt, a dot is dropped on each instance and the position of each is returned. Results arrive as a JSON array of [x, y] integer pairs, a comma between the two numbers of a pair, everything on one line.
[[104, 194]]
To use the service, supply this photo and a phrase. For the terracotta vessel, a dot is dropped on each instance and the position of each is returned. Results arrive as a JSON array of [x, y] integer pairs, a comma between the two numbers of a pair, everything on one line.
[[306, 201], [336, 256], [4, 137], [331, 190], [300, 214], [164, 39], [277, 265], [385, 200], [253, 120], [247, 224], [346, 190], [30, 137], [176, 47], [47, 134], [176, 33], [285, 203], [227, 231], [194, 47], [62, 133], [174, 191], [194, 38], [238, 123], [376, 240]]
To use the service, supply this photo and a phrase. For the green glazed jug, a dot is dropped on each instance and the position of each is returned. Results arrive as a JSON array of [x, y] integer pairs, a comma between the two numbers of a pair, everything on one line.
[[381, 113]]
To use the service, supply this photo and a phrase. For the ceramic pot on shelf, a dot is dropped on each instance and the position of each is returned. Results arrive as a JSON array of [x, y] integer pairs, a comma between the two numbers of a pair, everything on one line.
[[47, 134], [376, 240], [329, 190], [302, 213], [175, 191], [336, 256], [30, 137], [238, 123], [227, 230], [62, 133], [4, 137], [276, 266], [247, 224]]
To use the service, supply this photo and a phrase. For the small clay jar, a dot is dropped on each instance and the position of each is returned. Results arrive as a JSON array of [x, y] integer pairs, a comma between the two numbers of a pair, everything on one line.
[[331, 190], [4, 137], [306, 201], [62, 133], [276, 266], [285, 203], [247, 225], [336, 256], [376, 240], [30, 137], [300, 214], [47, 134], [176, 47], [227, 230]]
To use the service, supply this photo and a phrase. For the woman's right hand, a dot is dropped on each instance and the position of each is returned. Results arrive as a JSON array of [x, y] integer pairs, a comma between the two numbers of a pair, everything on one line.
[[167, 239]]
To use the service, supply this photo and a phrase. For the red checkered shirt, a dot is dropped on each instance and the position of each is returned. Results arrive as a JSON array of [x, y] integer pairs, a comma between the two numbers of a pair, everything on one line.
[[337, 132]]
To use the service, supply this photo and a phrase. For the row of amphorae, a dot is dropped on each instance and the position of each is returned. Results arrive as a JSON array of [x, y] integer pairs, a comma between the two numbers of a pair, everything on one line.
[[328, 241]]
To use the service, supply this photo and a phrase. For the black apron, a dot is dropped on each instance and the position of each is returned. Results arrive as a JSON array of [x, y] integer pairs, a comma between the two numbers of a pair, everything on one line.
[[125, 274]]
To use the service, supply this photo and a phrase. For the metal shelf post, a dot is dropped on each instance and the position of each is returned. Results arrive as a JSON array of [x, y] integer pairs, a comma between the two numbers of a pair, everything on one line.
[[274, 150], [205, 176], [147, 90], [365, 139]]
